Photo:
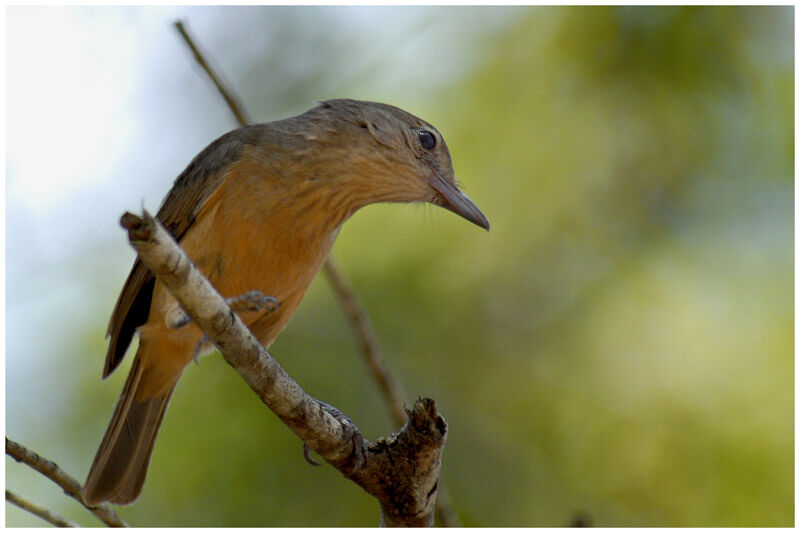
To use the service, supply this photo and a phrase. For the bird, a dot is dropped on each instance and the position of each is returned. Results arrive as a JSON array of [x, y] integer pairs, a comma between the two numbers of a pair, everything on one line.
[[258, 210]]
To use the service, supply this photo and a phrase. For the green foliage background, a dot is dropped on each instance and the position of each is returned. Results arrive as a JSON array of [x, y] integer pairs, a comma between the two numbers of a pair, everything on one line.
[[620, 344]]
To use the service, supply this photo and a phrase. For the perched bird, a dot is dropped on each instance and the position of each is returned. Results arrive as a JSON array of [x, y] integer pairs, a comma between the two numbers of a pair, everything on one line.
[[259, 209]]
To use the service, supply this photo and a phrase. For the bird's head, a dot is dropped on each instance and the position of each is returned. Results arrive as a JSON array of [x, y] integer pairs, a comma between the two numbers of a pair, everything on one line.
[[392, 156]]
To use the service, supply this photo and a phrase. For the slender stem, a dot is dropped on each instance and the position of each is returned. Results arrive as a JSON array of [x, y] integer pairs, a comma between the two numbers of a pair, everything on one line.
[[41, 512]]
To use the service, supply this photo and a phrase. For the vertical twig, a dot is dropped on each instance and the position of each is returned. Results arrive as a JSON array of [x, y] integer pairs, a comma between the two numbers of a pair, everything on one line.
[[356, 315]]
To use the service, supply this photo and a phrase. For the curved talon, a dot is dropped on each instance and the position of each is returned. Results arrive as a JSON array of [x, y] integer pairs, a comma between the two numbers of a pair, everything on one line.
[[307, 456], [198, 350]]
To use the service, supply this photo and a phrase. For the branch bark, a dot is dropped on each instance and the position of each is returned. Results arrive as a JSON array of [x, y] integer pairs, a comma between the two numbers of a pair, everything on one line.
[[401, 471], [70, 485]]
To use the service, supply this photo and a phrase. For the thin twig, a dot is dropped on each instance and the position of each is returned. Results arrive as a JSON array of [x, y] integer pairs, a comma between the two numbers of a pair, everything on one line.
[[41, 512], [238, 111], [71, 487], [355, 313], [359, 322]]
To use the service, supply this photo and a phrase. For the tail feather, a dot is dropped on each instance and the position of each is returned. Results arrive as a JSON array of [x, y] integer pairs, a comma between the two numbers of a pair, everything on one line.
[[120, 466]]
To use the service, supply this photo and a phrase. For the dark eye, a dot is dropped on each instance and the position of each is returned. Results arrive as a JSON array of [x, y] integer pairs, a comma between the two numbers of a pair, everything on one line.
[[427, 140]]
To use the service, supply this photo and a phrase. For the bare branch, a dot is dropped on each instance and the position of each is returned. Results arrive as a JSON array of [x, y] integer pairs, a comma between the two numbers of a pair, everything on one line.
[[41, 512], [52, 471], [401, 471]]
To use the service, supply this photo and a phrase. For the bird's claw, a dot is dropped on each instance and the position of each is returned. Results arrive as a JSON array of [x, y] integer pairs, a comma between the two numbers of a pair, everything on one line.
[[198, 350], [352, 433], [307, 456]]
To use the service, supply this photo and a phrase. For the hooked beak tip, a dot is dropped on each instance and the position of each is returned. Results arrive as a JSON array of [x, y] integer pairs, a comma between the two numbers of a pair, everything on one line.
[[452, 199]]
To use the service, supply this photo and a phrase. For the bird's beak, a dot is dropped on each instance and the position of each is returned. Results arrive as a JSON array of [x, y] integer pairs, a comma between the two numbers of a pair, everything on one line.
[[451, 198]]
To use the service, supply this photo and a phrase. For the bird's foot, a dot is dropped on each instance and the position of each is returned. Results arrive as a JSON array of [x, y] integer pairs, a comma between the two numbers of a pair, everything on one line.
[[353, 434], [177, 318], [247, 302], [253, 301]]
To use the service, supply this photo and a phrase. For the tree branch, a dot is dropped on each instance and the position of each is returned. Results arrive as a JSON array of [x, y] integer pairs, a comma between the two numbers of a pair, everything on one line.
[[52, 471], [356, 315], [41, 512], [401, 471]]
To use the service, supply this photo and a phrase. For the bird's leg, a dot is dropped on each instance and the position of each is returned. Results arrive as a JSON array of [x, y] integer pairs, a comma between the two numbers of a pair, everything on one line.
[[352, 433]]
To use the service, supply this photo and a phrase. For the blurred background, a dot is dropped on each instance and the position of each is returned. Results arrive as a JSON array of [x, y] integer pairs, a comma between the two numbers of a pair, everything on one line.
[[619, 346]]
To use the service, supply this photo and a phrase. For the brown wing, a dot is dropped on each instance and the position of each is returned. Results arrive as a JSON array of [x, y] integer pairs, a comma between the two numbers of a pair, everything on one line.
[[193, 186]]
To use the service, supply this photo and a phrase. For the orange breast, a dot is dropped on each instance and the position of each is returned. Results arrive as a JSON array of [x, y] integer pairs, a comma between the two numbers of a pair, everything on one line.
[[247, 236]]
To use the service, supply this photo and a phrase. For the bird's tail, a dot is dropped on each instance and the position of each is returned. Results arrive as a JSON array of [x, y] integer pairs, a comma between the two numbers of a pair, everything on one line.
[[120, 466]]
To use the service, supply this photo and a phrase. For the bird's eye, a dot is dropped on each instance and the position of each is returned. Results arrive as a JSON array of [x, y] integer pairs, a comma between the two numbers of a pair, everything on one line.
[[427, 139]]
